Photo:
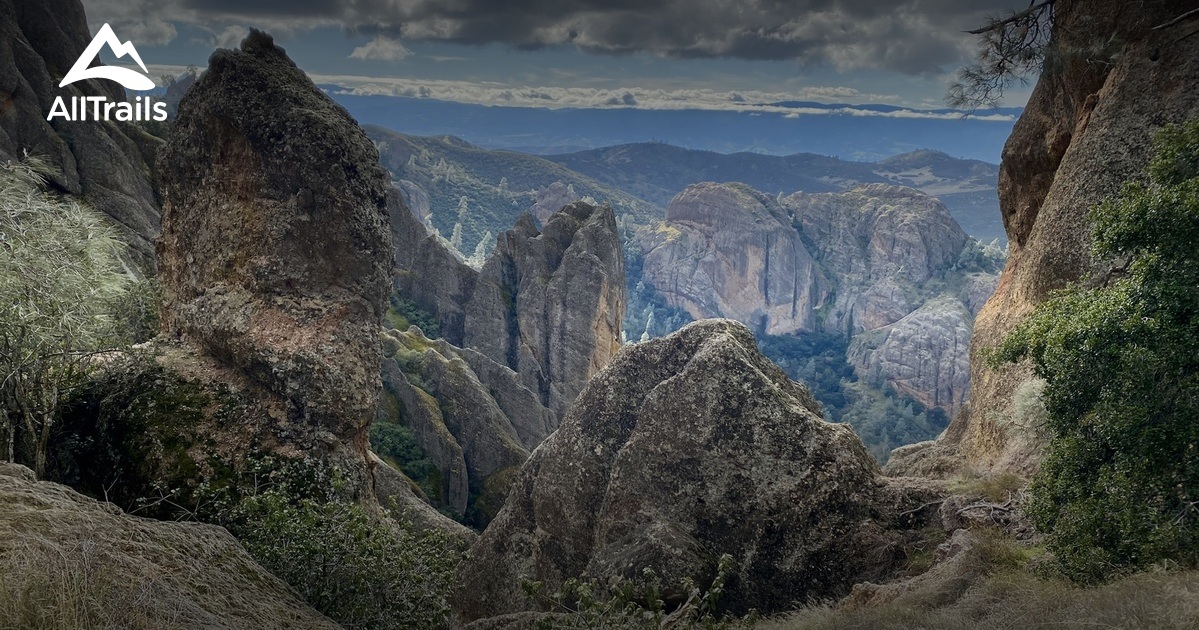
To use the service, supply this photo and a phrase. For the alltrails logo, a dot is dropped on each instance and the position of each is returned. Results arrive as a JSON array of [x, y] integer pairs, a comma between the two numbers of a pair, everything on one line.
[[99, 107]]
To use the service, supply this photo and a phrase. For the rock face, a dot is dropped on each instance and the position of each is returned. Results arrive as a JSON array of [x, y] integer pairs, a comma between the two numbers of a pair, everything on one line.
[[725, 250], [923, 356], [471, 416], [275, 245], [107, 164], [878, 242], [846, 263], [549, 304], [685, 448], [129, 571], [1088, 127]]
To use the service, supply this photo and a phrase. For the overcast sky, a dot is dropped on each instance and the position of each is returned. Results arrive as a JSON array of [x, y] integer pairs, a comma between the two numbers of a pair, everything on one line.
[[594, 53]]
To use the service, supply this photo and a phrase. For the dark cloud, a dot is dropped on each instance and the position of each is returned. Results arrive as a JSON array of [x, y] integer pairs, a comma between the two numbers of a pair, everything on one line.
[[911, 36]]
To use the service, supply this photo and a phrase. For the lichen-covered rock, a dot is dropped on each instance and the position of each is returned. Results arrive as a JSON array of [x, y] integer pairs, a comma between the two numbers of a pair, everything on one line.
[[925, 355], [682, 449], [275, 249], [106, 163], [1087, 128], [66, 550]]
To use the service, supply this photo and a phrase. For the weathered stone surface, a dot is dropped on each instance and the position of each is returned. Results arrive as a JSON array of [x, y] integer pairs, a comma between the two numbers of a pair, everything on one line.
[[468, 429], [549, 303], [275, 247], [726, 250], [925, 355], [106, 163], [137, 572], [552, 198], [1088, 128], [684, 448], [878, 242]]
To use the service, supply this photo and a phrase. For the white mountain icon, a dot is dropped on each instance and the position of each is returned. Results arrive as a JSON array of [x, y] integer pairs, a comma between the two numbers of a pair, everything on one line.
[[126, 77]]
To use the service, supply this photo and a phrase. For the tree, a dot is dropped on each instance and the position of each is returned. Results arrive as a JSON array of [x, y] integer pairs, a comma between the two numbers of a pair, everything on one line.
[[1012, 49], [1119, 487], [60, 275]]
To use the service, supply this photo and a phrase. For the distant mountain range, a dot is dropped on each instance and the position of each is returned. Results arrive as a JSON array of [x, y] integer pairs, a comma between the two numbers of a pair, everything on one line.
[[442, 175], [853, 132]]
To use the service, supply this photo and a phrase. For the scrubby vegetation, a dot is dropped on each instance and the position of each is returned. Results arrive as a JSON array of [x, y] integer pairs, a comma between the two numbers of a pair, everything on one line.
[[60, 278], [1119, 488], [882, 419], [635, 604]]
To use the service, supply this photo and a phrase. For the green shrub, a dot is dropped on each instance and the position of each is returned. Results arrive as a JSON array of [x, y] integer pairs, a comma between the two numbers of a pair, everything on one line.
[[361, 571], [1119, 487], [629, 605]]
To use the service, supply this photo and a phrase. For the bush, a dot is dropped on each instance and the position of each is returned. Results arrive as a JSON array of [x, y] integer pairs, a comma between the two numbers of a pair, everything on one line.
[[1119, 487], [60, 274], [361, 571]]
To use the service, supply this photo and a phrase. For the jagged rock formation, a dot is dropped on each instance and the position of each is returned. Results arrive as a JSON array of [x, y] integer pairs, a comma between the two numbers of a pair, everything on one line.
[[272, 259], [549, 199], [131, 572], [1088, 127], [923, 356], [725, 250], [106, 163], [548, 304], [684, 448], [471, 416]]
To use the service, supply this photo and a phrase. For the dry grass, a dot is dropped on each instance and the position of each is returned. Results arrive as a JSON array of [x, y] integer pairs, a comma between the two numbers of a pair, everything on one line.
[[993, 588], [45, 585], [994, 488]]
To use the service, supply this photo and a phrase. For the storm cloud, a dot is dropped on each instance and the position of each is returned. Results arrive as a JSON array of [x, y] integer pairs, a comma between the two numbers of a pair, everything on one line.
[[908, 36]]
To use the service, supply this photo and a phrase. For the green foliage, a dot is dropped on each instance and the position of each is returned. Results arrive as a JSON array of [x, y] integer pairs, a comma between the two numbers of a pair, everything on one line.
[[626, 605], [397, 444], [979, 257], [361, 571], [60, 274], [1119, 487], [404, 312], [647, 314], [883, 420]]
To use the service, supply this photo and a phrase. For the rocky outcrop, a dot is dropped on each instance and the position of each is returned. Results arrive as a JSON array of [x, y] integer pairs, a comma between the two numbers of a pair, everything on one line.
[[275, 247], [685, 448], [471, 416], [879, 243], [1088, 128], [105, 163], [846, 263], [838, 262], [549, 199], [549, 304], [726, 250], [923, 356], [94, 565]]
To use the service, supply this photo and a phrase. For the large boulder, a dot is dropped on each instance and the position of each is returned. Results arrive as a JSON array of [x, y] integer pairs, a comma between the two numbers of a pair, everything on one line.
[[275, 249], [1112, 81], [685, 448], [107, 163], [99, 567]]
